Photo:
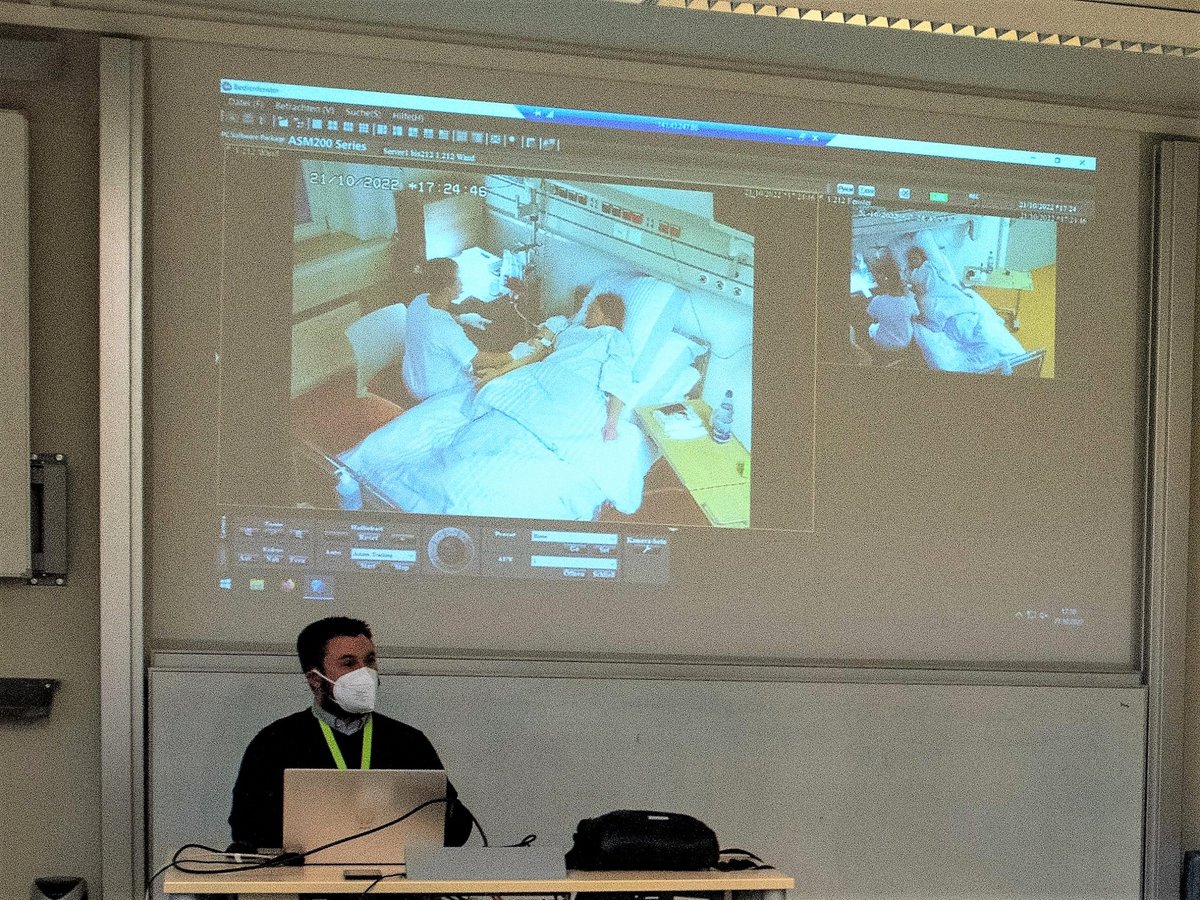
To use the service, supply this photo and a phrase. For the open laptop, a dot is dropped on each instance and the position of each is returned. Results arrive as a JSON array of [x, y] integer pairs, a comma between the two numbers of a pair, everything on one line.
[[323, 805]]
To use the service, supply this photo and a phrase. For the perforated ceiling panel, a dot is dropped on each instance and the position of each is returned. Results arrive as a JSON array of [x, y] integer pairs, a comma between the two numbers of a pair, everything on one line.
[[962, 26]]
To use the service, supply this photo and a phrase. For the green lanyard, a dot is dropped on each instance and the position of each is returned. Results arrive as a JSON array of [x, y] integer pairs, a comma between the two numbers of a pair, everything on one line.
[[337, 751]]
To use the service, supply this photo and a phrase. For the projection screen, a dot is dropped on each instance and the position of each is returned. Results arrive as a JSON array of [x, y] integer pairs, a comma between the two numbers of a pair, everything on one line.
[[712, 375]]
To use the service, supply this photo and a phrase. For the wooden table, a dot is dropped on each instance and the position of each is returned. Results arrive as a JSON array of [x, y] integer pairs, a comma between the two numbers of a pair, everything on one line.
[[755, 884], [716, 475]]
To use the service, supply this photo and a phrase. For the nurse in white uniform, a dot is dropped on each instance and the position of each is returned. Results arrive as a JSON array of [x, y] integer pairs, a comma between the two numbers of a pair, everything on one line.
[[438, 355]]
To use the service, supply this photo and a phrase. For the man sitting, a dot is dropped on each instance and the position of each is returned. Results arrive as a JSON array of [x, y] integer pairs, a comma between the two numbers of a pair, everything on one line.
[[340, 730]]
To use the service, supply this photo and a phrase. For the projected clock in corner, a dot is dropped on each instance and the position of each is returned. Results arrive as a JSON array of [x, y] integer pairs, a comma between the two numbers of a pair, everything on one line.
[[453, 551]]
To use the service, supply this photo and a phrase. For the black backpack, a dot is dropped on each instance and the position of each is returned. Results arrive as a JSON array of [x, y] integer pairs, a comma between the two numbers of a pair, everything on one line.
[[639, 840]]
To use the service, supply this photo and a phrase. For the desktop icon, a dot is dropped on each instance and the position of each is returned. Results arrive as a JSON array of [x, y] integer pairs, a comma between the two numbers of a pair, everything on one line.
[[258, 584], [319, 588]]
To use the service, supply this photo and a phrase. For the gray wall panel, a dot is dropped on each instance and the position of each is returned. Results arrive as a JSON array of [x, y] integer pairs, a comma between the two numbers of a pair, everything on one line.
[[14, 343], [859, 790]]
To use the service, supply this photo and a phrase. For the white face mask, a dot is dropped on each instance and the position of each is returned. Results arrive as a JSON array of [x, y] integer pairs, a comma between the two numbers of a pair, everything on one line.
[[355, 691]]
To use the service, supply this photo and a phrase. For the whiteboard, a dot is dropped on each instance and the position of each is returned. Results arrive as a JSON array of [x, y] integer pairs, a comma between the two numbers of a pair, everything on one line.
[[857, 790]]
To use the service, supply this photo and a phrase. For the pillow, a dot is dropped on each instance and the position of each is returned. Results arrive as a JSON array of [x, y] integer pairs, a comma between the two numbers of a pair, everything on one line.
[[684, 381], [675, 356]]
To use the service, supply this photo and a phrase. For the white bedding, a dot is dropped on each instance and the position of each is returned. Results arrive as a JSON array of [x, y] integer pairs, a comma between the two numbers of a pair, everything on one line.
[[958, 331], [974, 339], [496, 466], [529, 444]]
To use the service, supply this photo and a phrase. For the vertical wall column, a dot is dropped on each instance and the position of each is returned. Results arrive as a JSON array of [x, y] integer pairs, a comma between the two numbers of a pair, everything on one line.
[[1177, 195], [121, 663], [14, 345]]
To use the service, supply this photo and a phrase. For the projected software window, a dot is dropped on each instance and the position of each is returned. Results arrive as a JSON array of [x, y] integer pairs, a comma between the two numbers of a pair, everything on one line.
[[632, 336]]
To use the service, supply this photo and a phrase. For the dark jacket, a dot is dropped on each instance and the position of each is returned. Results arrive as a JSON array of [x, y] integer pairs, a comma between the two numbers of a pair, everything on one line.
[[296, 742]]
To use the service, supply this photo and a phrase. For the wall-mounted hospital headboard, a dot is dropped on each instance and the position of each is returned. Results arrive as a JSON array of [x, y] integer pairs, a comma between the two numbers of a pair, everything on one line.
[[674, 243], [882, 228]]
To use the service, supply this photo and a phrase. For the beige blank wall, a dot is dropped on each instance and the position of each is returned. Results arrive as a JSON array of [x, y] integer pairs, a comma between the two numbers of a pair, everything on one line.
[[1191, 746], [50, 783], [1190, 800]]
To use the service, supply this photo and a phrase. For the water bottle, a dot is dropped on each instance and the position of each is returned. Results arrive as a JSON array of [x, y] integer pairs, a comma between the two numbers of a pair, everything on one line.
[[349, 492], [722, 419]]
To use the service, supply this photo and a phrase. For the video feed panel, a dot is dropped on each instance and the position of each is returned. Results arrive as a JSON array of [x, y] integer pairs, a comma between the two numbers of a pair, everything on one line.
[[865, 448], [531, 254], [953, 291]]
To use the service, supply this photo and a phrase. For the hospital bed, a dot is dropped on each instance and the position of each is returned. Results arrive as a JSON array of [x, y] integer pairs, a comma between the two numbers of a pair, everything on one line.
[[438, 457], [997, 352], [961, 332]]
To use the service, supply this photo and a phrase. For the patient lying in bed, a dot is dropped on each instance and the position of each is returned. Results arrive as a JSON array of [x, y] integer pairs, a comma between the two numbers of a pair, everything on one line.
[[580, 363], [540, 439], [959, 330], [946, 305]]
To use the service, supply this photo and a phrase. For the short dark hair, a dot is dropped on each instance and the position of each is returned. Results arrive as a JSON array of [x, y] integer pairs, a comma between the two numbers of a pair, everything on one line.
[[886, 272], [613, 308], [311, 644], [438, 274]]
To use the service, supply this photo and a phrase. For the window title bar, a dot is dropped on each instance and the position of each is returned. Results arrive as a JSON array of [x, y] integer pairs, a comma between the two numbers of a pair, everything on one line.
[[763, 134]]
